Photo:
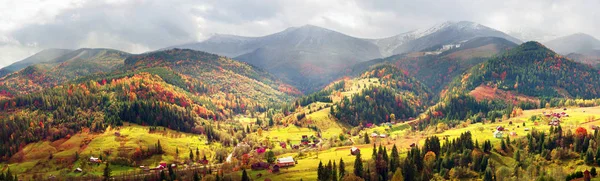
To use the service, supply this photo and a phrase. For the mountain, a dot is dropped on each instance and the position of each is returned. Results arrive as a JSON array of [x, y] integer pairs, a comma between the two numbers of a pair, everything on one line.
[[180, 89], [526, 73], [448, 33], [379, 94], [305, 57], [575, 43], [219, 78], [69, 66], [591, 58], [438, 66], [40, 57], [309, 57]]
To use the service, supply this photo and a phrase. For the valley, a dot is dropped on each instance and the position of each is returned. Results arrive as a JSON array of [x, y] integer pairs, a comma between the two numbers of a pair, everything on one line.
[[457, 100]]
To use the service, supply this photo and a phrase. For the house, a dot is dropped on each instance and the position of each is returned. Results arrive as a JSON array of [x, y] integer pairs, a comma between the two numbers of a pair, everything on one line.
[[497, 134], [382, 135], [78, 170], [375, 135], [499, 128], [283, 144], [594, 127], [369, 125], [286, 161], [117, 134], [95, 160], [160, 166], [304, 140], [260, 166], [554, 122], [354, 151], [526, 129], [513, 133], [260, 150], [295, 147]]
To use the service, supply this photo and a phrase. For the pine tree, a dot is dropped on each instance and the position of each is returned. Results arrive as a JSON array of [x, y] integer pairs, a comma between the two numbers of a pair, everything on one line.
[[328, 170], [503, 146], [245, 176], [320, 172], [367, 139], [589, 158], [197, 153], [342, 169], [197, 177], [172, 172], [374, 156], [518, 156], [488, 175], [191, 155], [398, 175], [107, 171], [358, 166], [395, 160], [334, 175]]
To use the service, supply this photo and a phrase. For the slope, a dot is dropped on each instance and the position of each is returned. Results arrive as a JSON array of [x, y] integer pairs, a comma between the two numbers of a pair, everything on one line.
[[72, 65], [438, 66], [305, 57], [40, 57], [575, 43], [532, 70], [381, 94], [221, 77], [448, 33]]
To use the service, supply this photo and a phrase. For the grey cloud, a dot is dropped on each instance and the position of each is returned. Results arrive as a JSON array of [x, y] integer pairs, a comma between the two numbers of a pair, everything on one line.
[[141, 25]]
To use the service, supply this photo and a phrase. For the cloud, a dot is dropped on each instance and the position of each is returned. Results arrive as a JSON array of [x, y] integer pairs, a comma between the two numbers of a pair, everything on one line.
[[141, 25]]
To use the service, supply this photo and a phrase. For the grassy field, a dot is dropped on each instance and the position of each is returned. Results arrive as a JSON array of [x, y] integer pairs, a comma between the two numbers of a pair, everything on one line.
[[35, 157], [402, 138]]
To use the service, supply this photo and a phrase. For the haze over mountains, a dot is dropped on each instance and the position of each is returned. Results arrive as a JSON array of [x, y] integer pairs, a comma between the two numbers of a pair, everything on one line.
[[308, 57]]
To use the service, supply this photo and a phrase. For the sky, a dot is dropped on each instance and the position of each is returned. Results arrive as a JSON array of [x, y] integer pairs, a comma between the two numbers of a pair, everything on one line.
[[137, 26]]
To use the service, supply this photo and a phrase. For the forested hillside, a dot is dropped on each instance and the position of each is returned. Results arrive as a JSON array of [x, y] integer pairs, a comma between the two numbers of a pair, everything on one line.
[[436, 68], [532, 70], [57, 113], [398, 96], [73, 65]]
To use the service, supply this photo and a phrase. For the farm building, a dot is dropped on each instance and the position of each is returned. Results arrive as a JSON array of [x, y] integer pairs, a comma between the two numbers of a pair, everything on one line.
[[499, 128], [78, 170], [354, 151], [286, 161], [283, 144], [497, 134], [555, 122], [95, 160], [304, 140]]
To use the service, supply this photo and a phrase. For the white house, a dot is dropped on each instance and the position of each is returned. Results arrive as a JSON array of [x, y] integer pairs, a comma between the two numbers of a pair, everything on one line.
[[94, 159], [498, 134]]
